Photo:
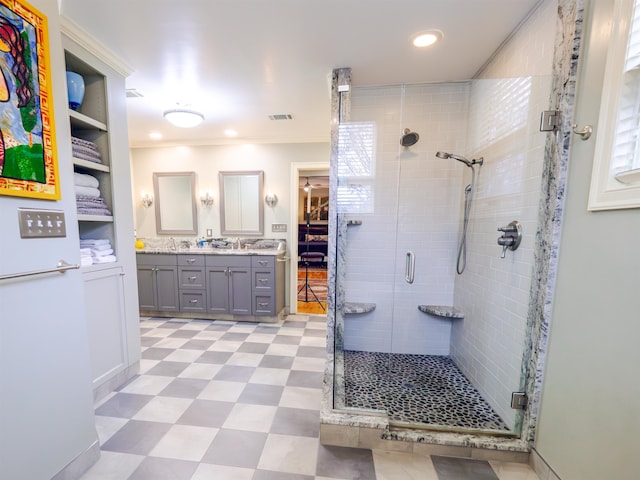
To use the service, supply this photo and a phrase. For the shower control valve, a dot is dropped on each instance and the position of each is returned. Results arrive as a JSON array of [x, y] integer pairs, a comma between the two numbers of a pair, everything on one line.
[[511, 237]]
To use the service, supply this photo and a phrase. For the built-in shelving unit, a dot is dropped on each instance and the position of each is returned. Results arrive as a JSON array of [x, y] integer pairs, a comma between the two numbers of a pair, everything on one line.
[[90, 123], [110, 289]]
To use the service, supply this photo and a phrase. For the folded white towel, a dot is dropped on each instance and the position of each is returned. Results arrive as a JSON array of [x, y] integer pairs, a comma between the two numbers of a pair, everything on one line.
[[85, 251], [87, 191], [102, 246], [101, 253], [88, 242], [85, 261], [84, 180], [105, 259]]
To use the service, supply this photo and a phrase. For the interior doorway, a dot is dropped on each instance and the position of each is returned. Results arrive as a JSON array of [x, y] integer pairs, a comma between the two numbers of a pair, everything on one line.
[[309, 238]]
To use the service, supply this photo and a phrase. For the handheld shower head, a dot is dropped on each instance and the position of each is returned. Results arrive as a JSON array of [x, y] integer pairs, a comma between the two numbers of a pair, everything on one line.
[[459, 158]]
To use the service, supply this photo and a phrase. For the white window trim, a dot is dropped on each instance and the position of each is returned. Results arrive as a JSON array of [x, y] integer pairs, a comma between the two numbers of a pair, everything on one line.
[[606, 193]]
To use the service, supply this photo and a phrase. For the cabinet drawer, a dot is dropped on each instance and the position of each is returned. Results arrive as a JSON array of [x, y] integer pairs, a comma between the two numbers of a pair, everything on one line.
[[228, 260], [263, 261], [155, 259], [263, 305], [193, 301], [263, 280], [193, 278], [191, 260]]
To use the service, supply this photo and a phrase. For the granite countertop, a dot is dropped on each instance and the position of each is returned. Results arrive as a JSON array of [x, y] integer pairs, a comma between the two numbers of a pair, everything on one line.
[[214, 251], [218, 246]]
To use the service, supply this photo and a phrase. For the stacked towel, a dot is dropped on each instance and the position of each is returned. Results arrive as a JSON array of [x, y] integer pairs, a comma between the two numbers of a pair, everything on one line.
[[98, 250], [85, 257], [88, 198], [85, 150]]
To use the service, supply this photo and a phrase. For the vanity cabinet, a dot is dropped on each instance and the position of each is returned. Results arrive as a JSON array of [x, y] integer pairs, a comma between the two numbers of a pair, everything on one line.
[[191, 283], [229, 284], [158, 283], [215, 286]]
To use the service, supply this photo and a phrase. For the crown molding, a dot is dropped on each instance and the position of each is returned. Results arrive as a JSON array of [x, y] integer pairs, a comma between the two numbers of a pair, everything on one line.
[[79, 35]]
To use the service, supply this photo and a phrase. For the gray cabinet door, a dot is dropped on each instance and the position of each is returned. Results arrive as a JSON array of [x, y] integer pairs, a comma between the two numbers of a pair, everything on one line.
[[217, 289], [240, 290], [147, 296], [167, 288]]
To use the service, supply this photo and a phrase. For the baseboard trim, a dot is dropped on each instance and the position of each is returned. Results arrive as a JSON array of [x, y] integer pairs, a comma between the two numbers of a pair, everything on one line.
[[104, 389], [79, 465], [541, 467]]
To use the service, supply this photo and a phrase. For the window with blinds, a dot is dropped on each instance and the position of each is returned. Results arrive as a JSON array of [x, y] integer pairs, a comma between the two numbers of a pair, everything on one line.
[[626, 147], [356, 167], [615, 180]]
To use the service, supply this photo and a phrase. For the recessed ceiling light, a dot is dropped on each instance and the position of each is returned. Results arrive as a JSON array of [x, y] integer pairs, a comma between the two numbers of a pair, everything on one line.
[[427, 38], [230, 132], [155, 135]]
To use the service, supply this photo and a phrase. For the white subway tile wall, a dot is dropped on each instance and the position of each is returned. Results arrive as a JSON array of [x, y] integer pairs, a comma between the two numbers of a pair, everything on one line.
[[427, 206], [504, 111]]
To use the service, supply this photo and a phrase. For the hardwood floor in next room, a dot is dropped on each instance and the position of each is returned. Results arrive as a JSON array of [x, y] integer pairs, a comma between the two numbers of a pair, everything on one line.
[[308, 285]]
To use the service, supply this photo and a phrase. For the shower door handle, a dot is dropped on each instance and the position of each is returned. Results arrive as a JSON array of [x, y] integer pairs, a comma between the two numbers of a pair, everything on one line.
[[410, 267]]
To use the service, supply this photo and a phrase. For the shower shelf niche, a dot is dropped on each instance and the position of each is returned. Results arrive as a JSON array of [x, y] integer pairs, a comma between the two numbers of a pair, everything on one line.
[[357, 308], [442, 311]]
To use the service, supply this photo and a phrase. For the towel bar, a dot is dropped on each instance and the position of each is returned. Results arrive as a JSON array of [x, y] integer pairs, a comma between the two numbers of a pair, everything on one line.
[[61, 267]]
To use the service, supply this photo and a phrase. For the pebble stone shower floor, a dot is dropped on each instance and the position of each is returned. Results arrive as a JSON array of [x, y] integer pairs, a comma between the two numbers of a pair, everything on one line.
[[426, 389]]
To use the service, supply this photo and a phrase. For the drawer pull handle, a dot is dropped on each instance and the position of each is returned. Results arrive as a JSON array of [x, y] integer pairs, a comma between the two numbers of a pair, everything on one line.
[[263, 280], [263, 304], [193, 279], [193, 301], [191, 261], [262, 262]]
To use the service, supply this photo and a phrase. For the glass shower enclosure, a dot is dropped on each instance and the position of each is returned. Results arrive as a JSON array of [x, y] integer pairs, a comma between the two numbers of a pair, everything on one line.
[[417, 342]]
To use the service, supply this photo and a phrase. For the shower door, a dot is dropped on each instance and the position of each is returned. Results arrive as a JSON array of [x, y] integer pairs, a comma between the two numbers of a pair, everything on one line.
[[399, 215]]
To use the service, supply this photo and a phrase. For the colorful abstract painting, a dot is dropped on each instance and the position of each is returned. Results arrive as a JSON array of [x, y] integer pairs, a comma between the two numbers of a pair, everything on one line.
[[28, 165]]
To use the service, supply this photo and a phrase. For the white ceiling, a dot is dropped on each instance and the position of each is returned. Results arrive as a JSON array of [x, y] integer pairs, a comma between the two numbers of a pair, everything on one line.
[[239, 61]]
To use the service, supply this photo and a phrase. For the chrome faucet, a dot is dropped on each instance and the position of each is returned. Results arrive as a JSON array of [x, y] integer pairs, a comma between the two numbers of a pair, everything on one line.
[[172, 244], [238, 244]]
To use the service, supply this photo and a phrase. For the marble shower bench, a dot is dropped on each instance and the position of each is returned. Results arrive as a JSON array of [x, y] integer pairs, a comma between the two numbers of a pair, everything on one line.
[[356, 308], [442, 311]]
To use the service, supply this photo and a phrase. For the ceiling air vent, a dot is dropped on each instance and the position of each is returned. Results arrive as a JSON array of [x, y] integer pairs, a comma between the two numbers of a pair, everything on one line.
[[281, 116], [133, 93]]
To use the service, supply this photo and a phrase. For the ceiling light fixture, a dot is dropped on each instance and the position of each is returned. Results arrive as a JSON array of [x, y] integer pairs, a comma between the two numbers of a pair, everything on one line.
[[230, 132], [426, 39], [307, 186], [183, 118]]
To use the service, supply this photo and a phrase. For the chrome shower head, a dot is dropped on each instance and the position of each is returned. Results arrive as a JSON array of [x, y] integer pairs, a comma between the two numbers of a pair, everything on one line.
[[409, 138], [459, 158]]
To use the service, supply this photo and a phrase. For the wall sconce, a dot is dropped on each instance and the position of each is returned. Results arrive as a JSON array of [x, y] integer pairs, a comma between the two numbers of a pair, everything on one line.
[[271, 199], [147, 200], [206, 200]]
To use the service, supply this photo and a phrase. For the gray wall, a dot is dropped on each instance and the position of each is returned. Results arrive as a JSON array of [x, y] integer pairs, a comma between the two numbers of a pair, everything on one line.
[[46, 401], [589, 421]]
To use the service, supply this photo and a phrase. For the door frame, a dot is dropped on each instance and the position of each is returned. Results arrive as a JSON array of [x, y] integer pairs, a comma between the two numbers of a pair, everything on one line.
[[296, 168]]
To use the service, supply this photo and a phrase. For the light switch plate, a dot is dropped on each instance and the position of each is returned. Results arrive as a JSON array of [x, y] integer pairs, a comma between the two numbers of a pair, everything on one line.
[[41, 223], [278, 227]]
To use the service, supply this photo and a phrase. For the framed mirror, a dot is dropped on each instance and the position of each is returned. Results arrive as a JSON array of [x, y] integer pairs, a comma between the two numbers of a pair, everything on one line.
[[175, 194], [241, 207]]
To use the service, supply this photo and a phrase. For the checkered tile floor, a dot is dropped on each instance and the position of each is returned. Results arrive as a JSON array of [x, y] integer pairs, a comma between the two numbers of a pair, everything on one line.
[[240, 401], [223, 400]]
